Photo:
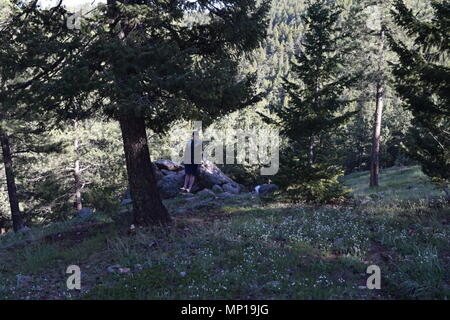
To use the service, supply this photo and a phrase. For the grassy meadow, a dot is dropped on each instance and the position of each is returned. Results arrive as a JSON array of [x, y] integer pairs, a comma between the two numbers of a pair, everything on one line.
[[240, 248]]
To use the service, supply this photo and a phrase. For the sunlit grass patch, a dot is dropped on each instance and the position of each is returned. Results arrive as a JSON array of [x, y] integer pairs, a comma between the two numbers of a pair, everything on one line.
[[394, 183]]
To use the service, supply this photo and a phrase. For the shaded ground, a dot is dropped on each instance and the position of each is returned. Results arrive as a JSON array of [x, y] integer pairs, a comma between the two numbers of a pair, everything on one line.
[[238, 248]]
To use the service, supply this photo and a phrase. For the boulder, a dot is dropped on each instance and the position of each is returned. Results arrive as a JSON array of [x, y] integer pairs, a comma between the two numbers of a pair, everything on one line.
[[169, 186], [225, 195], [210, 175], [167, 172], [206, 193], [217, 189], [170, 178], [232, 188], [168, 165]]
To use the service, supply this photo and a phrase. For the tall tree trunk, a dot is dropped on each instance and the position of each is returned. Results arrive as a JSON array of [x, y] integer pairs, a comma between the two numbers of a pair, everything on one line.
[[376, 140], [77, 171], [148, 208], [11, 182]]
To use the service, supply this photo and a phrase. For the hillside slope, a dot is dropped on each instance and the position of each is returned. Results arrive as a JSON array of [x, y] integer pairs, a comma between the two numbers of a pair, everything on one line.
[[239, 248]]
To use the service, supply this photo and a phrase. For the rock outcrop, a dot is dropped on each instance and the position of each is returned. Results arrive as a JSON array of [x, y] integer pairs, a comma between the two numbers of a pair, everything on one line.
[[170, 178]]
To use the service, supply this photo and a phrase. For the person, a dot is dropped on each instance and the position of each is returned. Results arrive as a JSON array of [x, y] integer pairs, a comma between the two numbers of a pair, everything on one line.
[[192, 160]]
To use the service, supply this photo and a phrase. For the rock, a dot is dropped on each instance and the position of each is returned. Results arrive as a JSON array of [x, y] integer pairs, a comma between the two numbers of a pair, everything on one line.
[[169, 186], [231, 188], [267, 189], [225, 195], [210, 175], [113, 268], [170, 178], [206, 193], [217, 189], [124, 270], [23, 281], [167, 172], [85, 213], [243, 188], [167, 165]]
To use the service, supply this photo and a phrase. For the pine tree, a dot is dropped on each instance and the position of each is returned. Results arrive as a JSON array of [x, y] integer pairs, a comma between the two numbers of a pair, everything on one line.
[[423, 82], [28, 51], [315, 106], [150, 68]]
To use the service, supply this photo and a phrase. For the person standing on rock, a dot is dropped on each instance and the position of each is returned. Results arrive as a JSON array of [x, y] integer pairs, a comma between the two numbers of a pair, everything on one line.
[[192, 160]]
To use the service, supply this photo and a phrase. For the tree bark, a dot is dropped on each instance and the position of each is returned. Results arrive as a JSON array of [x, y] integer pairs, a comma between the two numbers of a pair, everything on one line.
[[376, 141], [11, 182], [148, 208], [77, 171]]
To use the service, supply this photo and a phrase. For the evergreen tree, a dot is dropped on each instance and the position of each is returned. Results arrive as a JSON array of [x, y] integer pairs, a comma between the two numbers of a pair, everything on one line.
[[150, 68], [315, 105], [423, 81], [29, 48]]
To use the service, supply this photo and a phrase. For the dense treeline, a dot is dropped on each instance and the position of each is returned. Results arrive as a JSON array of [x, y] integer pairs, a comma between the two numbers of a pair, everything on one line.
[[74, 103]]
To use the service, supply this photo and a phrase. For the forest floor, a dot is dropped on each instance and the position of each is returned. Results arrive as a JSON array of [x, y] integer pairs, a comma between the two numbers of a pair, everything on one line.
[[239, 248]]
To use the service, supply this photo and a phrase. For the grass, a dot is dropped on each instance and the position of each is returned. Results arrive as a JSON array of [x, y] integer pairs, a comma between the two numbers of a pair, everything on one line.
[[238, 249], [396, 183]]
